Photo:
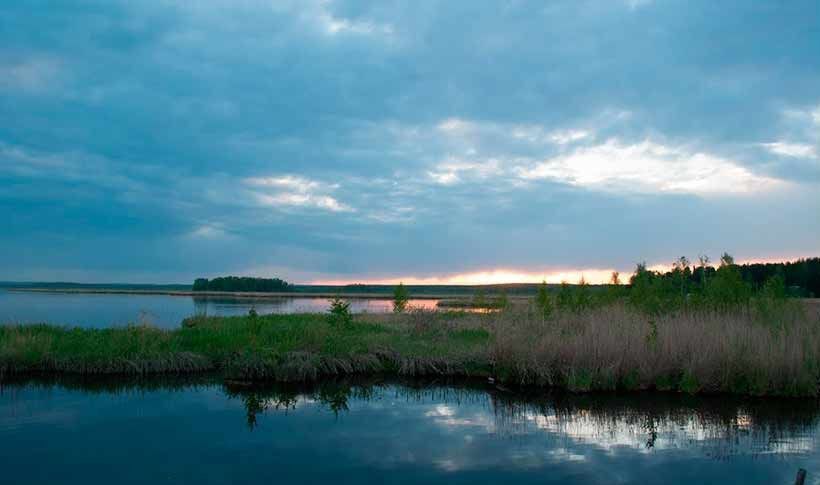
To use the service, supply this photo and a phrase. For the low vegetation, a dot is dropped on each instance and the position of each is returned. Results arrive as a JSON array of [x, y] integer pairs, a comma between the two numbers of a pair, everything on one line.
[[603, 348], [664, 331], [286, 347]]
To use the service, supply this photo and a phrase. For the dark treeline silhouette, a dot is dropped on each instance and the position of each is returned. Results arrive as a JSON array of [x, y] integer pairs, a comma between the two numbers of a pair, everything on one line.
[[241, 283], [801, 277], [803, 274]]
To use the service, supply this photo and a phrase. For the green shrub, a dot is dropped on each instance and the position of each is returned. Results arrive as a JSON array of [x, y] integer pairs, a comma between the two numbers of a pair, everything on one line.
[[772, 302], [726, 290], [480, 298], [543, 302], [339, 315], [689, 383], [501, 301], [565, 299], [582, 299], [631, 381], [400, 298], [579, 380]]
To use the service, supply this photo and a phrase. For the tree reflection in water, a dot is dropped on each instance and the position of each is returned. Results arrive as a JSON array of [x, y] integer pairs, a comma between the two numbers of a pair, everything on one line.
[[720, 426]]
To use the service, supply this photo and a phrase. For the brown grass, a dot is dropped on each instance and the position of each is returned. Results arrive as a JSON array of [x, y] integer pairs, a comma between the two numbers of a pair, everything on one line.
[[692, 351]]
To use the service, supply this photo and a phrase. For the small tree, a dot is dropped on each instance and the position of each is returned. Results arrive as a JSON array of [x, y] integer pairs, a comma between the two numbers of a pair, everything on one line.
[[681, 274], [771, 301], [480, 298], [400, 298], [645, 291], [704, 262], [775, 287], [726, 289], [255, 323], [565, 296], [583, 298], [543, 301], [613, 291], [339, 315], [502, 301]]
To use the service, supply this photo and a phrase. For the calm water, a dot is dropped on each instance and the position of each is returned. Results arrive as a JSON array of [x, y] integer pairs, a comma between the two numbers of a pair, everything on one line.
[[340, 433], [100, 310]]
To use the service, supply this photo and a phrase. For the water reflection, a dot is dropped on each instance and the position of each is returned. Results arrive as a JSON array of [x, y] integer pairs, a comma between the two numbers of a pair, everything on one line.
[[222, 306], [165, 311], [441, 431], [721, 426]]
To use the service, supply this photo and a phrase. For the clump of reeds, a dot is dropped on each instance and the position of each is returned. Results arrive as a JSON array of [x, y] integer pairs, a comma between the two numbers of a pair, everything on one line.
[[616, 346]]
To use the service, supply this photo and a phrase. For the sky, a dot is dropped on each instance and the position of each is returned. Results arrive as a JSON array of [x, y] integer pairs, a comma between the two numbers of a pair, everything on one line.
[[427, 141]]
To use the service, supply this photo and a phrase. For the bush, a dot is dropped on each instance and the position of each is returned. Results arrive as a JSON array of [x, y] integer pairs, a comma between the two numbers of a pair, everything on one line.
[[400, 298], [501, 301], [565, 298], [339, 315], [543, 301], [726, 290], [480, 298], [583, 298]]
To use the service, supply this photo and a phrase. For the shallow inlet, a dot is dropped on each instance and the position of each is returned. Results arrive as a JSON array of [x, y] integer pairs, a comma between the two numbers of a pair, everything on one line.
[[202, 431]]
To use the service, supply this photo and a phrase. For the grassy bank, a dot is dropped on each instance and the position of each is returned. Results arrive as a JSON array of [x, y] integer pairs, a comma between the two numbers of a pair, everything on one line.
[[746, 351], [282, 347]]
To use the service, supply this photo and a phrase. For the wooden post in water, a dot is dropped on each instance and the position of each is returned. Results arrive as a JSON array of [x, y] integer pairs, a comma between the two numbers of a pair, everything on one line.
[[801, 477]]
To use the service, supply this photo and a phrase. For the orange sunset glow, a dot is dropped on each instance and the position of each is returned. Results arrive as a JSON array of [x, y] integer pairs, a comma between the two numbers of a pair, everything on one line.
[[593, 276], [489, 277]]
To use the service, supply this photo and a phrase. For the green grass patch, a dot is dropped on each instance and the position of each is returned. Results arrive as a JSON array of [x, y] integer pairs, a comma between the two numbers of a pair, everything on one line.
[[249, 346]]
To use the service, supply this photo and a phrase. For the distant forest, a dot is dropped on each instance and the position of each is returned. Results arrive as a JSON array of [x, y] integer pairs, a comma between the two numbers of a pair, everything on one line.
[[802, 277], [241, 283]]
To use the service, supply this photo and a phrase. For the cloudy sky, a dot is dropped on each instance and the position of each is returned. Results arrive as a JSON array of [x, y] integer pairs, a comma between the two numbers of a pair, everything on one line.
[[342, 140]]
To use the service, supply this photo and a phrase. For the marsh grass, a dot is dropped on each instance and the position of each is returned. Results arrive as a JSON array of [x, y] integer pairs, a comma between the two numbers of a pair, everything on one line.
[[616, 347], [281, 347], [771, 349]]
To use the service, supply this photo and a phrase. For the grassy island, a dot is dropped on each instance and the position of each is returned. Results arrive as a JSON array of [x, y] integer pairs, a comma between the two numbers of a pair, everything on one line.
[[605, 348]]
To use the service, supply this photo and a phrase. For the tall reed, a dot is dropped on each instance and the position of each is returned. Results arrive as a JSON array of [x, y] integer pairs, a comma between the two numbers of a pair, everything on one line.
[[618, 347]]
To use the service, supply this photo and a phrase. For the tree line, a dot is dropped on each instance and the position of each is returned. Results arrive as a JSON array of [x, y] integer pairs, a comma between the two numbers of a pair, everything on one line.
[[241, 283], [801, 277]]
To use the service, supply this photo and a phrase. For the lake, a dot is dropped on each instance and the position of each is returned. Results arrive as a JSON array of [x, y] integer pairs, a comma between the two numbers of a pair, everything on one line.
[[206, 432], [165, 311]]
